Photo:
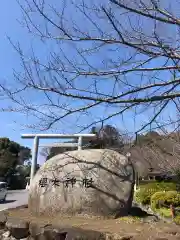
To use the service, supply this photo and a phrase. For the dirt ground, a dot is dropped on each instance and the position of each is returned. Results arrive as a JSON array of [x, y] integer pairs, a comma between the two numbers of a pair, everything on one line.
[[127, 226]]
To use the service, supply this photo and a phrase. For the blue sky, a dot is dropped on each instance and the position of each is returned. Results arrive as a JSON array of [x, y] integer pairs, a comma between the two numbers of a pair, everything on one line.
[[9, 60], [9, 12], [9, 25]]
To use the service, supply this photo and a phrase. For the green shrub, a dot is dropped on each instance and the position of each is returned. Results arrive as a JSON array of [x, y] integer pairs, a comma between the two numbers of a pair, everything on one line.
[[146, 191], [177, 220], [157, 199], [144, 195], [165, 212], [172, 197], [161, 199]]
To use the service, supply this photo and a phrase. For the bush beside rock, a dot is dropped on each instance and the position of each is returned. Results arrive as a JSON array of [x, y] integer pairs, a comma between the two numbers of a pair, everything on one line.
[[160, 199], [18, 228], [146, 191]]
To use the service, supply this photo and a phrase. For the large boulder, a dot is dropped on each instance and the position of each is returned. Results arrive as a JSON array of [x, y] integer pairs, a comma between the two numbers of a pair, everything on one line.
[[94, 181]]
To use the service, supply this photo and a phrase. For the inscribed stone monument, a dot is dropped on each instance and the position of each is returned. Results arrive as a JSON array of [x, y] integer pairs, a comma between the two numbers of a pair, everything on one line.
[[93, 181]]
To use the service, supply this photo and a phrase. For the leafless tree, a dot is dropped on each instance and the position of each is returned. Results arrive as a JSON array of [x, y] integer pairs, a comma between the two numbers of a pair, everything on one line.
[[45, 152], [159, 152], [120, 56]]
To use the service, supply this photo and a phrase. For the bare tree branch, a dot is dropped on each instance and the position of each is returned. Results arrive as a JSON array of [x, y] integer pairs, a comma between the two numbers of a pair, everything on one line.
[[106, 60]]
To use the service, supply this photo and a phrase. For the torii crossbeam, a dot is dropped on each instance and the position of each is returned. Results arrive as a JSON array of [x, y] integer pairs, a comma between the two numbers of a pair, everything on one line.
[[37, 137]]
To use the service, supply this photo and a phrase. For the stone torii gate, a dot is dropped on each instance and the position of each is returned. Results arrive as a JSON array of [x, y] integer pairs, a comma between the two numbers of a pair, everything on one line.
[[37, 137]]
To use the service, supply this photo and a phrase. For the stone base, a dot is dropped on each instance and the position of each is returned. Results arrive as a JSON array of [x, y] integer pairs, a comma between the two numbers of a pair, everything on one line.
[[14, 228]]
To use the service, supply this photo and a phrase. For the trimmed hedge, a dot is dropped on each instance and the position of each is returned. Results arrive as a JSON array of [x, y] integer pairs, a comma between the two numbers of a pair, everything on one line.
[[161, 199], [146, 191], [157, 199]]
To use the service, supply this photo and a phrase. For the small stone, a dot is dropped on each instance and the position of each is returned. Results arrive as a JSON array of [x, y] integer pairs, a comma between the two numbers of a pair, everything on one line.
[[78, 233], [18, 228], [117, 236], [40, 232], [3, 219], [2, 231], [172, 232], [125, 237], [36, 229], [109, 236], [150, 219], [54, 233], [12, 238], [29, 238], [6, 234]]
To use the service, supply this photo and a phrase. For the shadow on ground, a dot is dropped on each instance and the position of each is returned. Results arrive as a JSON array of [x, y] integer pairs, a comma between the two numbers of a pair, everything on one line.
[[7, 201], [138, 212], [135, 211]]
